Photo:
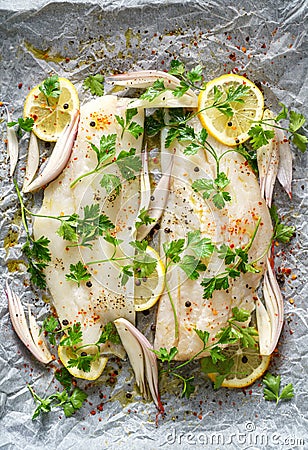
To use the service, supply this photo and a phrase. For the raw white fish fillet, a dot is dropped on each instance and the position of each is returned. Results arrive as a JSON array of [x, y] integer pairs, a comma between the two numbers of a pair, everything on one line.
[[105, 300], [233, 225]]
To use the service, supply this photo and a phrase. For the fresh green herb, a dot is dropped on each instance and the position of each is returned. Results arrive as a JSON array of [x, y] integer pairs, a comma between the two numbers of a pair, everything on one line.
[[221, 367], [51, 327], [217, 362], [78, 273], [111, 183], [125, 273], [282, 233], [74, 336], [214, 189], [95, 83], [259, 136], [128, 163], [36, 250], [83, 231], [155, 123], [23, 124], [38, 255], [70, 403], [154, 91], [188, 78], [109, 333], [106, 150], [272, 388], [237, 262], [81, 362], [144, 219], [64, 377], [127, 124], [51, 87]]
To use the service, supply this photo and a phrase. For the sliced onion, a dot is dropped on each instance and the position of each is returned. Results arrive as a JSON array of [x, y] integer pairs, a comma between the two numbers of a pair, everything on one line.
[[145, 79], [19, 323], [274, 305], [32, 161], [59, 157], [284, 174], [264, 328], [150, 372]]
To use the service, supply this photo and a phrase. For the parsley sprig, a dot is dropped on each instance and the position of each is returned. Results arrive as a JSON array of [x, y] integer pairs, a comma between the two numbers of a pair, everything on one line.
[[127, 124], [214, 189], [23, 125], [71, 337], [260, 136], [236, 263], [95, 83], [51, 87], [70, 402], [282, 233], [217, 362], [272, 388], [36, 250], [191, 264], [127, 161]]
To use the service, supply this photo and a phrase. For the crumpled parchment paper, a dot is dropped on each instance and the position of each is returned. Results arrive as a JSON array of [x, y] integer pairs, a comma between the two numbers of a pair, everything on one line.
[[264, 40]]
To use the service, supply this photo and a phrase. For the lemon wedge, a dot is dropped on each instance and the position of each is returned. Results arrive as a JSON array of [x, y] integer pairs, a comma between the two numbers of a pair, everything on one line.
[[149, 289], [248, 366], [229, 130], [97, 366], [53, 114]]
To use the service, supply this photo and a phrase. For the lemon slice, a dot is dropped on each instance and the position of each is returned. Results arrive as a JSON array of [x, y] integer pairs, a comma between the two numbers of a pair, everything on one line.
[[97, 366], [53, 114], [148, 290], [233, 130], [248, 366]]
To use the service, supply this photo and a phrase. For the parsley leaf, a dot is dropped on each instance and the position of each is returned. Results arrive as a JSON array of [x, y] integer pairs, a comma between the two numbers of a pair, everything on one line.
[[164, 355], [144, 265], [128, 163], [126, 273], [300, 141], [282, 233], [297, 120], [81, 362], [260, 136], [271, 391], [74, 336], [216, 187], [173, 249], [203, 335], [50, 325], [239, 315], [109, 333], [38, 255], [155, 123], [51, 87], [64, 377], [111, 183], [154, 91], [78, 273], [69, 403], [133, 127], [95, 83], [145, 219], [191, 266], [106, 148], [213, 284], [23, 124]]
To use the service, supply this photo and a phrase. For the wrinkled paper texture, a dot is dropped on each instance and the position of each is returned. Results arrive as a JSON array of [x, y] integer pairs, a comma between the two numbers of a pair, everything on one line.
[[264, 40]]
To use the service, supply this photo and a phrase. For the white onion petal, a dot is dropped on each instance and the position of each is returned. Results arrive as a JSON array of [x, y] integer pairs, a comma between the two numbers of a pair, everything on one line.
[[59, 157], [149, 361], [19, 323]]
